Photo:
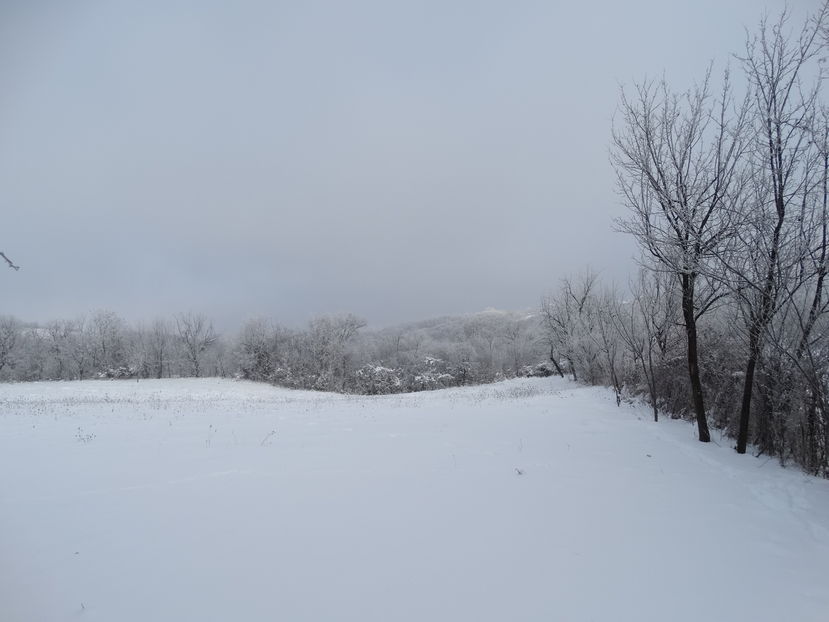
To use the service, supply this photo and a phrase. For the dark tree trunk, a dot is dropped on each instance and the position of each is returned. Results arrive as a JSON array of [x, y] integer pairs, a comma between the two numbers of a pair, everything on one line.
[[554, 362], [748, 387], [648, 371], [811, 436], [689, 316], [758, 326]]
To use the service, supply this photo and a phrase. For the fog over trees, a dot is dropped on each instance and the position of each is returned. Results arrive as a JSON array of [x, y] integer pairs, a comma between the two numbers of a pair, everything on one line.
[[725, 185]]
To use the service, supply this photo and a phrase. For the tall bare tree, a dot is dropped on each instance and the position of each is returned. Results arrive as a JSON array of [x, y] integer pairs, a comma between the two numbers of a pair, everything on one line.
[[783, 163], [676, 157]]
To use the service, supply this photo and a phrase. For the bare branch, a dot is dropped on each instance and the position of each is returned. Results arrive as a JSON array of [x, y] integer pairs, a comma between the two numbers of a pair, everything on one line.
[[9, 261]]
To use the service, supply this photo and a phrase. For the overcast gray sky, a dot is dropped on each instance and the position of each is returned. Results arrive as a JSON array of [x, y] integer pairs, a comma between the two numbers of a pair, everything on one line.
[[399, 160]]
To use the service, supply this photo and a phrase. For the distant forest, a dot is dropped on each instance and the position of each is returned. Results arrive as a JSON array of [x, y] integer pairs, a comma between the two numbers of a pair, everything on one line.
[[334, 353]]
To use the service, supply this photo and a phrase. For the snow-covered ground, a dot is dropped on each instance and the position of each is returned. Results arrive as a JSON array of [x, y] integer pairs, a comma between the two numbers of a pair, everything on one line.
[[528, 500]]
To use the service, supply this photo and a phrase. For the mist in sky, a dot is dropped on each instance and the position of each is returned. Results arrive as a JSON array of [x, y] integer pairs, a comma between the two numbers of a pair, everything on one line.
[[395, 160]]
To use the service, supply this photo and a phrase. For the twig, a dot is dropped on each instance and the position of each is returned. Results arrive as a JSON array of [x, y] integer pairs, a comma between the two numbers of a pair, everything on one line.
[[9, 261]]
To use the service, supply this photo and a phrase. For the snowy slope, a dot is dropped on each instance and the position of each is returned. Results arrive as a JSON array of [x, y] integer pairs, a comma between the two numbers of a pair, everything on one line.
[[529, 500]]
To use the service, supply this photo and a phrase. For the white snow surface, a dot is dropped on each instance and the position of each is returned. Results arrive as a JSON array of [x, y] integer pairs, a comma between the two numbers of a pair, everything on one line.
[[534, 499]]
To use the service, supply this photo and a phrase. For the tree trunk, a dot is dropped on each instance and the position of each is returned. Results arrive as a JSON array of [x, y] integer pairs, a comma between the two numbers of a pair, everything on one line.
[[758, 326], [572, 369], [748, 386], [693, 357], [648, 370], [553, 361], [811, 436]]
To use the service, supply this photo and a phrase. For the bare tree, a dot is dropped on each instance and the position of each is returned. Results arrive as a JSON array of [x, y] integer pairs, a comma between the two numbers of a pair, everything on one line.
[[551, 331], [515, 337], [485, 333], [80, 346], [782, 166], [657, 301], [328, 338], [108, 340], [816, 231], [553, 327], [608, 340], [158, 343], [647, 327], [9, 334], [793, 409], [258, 349], [60, 343], [676, 157], [196, 334], [567, 320]]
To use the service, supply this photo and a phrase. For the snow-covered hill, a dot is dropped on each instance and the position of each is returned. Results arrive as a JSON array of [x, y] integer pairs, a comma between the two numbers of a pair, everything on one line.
[[528, 500]]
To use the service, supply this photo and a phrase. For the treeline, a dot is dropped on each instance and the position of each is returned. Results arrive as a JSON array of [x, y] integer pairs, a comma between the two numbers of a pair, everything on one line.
[[633, 342], [333, 353], [637, 345], [103, 345]]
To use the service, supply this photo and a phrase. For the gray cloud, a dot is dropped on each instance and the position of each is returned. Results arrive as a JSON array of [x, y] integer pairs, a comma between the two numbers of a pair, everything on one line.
[[398, 160]]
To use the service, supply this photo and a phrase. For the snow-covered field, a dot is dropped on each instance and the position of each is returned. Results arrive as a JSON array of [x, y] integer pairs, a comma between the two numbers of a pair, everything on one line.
[[528, 500]]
